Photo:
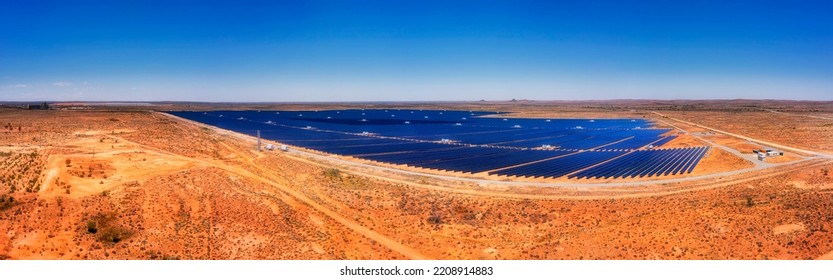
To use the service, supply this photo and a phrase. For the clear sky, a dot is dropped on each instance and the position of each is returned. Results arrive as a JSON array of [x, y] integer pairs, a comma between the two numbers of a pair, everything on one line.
[[414, 50]]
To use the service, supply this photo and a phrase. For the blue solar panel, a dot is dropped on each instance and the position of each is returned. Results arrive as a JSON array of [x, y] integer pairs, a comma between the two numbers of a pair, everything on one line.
[[471, 141], [560, 166], [648, 163]]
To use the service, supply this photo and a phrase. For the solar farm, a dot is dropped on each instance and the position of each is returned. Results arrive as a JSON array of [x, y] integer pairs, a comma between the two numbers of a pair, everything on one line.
[[473, 142]]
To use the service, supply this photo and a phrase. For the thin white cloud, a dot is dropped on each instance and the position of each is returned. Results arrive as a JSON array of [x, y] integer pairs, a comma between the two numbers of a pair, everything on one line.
[[61, 84], [20, 86]]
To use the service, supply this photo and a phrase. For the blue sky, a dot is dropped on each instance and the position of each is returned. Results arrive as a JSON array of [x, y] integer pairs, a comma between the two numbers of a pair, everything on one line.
[[414, 50]]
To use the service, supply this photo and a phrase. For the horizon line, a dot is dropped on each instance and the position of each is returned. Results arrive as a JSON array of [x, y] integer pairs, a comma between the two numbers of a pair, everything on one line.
[[413, 101]]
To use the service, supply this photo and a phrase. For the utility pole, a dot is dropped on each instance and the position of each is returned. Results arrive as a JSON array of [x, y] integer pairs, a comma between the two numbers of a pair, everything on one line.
[[258, 140]]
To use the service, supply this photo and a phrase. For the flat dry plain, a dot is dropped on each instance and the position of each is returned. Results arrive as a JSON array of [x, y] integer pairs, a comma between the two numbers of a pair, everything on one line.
[[126, 184]]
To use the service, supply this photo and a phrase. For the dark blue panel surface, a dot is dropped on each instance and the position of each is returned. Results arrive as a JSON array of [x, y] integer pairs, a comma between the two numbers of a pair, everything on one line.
[[468, 141]]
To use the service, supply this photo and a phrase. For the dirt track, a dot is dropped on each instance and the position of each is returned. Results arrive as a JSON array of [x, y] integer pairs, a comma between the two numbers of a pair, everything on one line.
[[386, 241], [827, 155]]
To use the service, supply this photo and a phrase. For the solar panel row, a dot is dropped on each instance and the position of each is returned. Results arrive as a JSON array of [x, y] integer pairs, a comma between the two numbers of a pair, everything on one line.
[[647, 163], [640, 139], [529, 133], [465, 159], [390, 147], [558, 167]]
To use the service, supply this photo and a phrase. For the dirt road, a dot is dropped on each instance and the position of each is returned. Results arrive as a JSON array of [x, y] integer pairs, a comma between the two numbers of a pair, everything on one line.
[[784, 147], [391, 244]]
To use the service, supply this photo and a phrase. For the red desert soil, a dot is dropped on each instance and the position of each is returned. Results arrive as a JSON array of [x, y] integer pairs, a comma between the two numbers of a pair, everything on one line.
[[142, 185], [798, 130]]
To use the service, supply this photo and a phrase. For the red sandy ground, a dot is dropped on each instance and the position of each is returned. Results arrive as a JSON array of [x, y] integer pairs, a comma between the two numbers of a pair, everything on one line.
[[154, 187]]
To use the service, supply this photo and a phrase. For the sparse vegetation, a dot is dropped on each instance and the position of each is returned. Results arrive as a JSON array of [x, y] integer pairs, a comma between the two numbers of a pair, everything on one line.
[[332, 173], [6, 203], [92, 227], [20, 171], [106, 228], [113, 234], [435, 219]]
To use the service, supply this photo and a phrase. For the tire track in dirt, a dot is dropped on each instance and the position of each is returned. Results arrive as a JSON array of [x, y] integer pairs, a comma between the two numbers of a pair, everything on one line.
[[51, 171], [388, 242]]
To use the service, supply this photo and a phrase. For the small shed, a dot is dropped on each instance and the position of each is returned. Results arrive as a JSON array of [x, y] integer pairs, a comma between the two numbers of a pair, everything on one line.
[[761, 156], [42, 106]]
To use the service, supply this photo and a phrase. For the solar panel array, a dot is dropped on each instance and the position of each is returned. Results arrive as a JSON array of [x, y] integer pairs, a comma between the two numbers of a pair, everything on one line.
[[466, 159], [559, 166], [462, 141], [648, 163]]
